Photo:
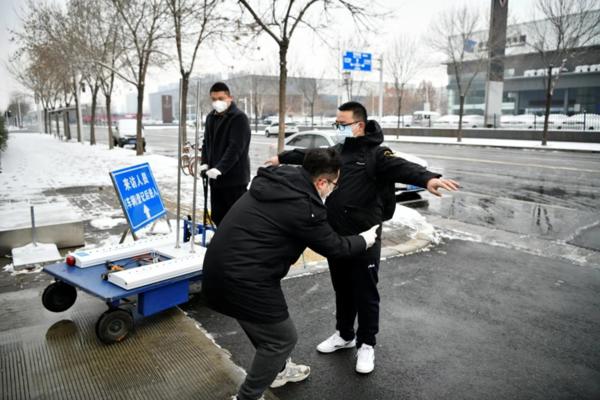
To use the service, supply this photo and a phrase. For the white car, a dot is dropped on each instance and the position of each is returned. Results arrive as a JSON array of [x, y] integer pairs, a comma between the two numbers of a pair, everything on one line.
[[328, 138], [582, 122], [125, 134], [273, 129]]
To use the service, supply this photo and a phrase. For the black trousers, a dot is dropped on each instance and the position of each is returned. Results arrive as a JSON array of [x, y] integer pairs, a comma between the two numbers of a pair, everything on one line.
[[273, 344], [355, 284], [221, 200]]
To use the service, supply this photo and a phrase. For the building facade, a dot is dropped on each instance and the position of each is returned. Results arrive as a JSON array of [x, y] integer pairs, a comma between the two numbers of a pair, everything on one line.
[[577, 89]]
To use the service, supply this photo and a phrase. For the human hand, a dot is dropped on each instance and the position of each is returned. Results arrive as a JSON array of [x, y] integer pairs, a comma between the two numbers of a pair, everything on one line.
[[213, 173], [370, 236], [274, 161], [436, 183]]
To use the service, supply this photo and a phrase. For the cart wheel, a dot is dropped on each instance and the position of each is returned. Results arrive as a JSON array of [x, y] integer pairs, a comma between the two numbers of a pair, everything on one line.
[[59, 296], [114, 326]]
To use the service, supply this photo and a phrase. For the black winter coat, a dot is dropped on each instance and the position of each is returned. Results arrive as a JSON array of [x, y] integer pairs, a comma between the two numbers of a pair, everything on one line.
[[355, 206], [225, 146], [261, 236]]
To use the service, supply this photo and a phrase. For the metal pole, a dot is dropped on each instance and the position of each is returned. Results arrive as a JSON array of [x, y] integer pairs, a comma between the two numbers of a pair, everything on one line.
[[195, 168], [33, 227], [178, 172], [380, 88]]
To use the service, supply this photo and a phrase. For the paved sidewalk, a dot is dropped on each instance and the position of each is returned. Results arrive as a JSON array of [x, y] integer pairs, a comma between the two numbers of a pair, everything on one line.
[[44, 355]]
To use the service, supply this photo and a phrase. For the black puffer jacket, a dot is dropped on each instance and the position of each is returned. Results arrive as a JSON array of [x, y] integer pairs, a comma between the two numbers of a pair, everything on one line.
[[260, 237], [355, 205], [225, 146]]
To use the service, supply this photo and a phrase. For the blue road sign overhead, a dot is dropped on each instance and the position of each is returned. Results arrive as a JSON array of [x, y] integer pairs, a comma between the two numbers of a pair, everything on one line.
[[356, 61], [139, 195]]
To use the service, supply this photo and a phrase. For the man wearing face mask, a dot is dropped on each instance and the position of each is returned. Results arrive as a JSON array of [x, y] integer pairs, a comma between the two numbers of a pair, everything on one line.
[[264, 233], [225, 146], [355, 206]]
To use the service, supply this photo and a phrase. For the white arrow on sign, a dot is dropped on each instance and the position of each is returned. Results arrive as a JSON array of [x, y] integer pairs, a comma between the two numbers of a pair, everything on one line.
[[147, 211]]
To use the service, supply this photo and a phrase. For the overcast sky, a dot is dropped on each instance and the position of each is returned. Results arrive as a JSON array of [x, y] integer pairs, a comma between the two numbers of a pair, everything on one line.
[[412, 17]]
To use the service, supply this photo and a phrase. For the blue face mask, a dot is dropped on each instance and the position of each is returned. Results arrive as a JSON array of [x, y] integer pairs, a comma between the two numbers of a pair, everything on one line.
[[345, 130]]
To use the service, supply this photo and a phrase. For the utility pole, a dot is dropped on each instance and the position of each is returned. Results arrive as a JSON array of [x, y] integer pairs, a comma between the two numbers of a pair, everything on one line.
[[380, 87]]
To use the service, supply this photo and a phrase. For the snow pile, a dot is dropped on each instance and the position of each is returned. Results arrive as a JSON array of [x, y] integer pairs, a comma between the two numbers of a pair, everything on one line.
[[37, 163], [34, 254], [419, 228]]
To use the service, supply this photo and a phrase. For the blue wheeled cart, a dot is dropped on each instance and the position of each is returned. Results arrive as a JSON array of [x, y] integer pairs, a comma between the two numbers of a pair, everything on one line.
[[117, 322]]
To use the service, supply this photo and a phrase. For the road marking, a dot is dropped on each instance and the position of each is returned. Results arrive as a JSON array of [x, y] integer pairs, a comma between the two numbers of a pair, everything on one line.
[[426, 156]]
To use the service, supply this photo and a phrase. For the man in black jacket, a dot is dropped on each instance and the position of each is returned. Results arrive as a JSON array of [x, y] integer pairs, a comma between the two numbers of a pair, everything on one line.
[[354, 207], [225, 148], [262, 235]]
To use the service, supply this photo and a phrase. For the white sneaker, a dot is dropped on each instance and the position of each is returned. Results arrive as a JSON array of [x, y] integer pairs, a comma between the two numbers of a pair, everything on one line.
[[291, 373], [335, 342], [365, 359]]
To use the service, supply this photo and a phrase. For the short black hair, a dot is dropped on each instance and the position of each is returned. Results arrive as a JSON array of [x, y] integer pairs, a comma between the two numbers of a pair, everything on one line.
[[322, 161], [359, 112], [220, 87]]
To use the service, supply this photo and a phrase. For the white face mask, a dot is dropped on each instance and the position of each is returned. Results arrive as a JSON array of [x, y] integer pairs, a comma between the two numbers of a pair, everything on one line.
[[220, 106]]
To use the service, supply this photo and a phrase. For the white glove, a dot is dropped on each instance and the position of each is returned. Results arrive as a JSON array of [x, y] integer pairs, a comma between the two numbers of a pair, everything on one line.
[[370, 236], [203, 167], [213, 173]]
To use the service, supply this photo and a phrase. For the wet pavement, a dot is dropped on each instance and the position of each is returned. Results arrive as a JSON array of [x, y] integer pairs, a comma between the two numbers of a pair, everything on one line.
[[463, 321], [512, 317], [46, 355]]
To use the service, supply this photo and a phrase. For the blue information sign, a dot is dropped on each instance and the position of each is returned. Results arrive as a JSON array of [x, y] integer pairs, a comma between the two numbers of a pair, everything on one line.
[[357, 61], [139, 196]]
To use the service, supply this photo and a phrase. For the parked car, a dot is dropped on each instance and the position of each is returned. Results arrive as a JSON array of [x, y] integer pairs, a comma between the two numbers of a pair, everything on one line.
[[328, 138], [446, 121], [582, 122], [124, 133], [273, 129]]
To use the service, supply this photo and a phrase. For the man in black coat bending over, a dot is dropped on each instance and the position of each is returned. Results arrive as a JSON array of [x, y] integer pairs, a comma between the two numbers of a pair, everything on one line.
[[354, 207], [261, 236], [225, 148]]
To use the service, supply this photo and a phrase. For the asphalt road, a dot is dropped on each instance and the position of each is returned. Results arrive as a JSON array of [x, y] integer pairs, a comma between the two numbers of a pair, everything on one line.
[[464, 321], [469, 319]]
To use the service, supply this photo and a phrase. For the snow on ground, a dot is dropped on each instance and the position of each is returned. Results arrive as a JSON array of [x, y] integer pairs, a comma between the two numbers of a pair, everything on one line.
[[106, 223], [418, 225], [34, 163]]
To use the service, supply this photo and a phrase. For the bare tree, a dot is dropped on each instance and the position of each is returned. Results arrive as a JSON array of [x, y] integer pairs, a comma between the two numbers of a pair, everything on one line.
[[403, 61], [41, 60], [567, 28], [310, 88], [281, 19], [454, 35], [195, 22], [145, 27], [98, 39]]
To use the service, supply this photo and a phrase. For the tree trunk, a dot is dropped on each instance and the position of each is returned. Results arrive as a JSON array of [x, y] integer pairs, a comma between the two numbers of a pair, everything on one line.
[[57, 126], [312, 115], [109, 121], [185, 83], [460, 115], [139, 145], [283, 47], [255, 114], [66, 125], [93, 120], [77, 116], [46, 120], [547, 109]]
